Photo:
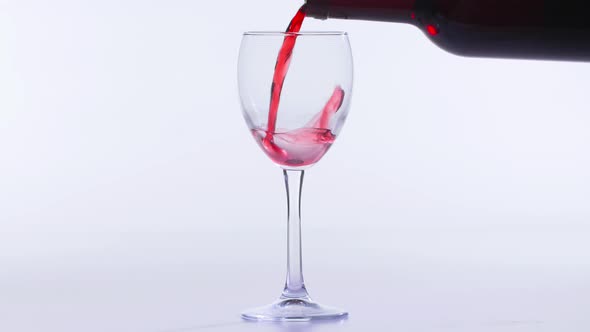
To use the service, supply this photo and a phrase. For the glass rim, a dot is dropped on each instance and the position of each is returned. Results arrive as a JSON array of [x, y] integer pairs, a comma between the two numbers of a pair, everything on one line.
[[301, 33]]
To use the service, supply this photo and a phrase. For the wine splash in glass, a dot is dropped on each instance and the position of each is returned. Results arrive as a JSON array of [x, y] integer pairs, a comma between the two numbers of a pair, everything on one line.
[[306, 112]]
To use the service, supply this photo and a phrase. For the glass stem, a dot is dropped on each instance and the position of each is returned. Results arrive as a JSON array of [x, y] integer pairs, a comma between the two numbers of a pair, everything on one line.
[[294, 286]]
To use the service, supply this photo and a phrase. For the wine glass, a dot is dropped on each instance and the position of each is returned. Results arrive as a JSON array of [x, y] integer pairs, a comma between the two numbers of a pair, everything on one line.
[[295, 129]]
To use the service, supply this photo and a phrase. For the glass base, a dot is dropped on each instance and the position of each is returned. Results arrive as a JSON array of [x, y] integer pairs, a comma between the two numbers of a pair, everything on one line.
[[293, 310]]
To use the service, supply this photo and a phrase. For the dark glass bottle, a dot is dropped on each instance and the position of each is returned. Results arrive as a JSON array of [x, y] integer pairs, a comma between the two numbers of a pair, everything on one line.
[[528, 29]]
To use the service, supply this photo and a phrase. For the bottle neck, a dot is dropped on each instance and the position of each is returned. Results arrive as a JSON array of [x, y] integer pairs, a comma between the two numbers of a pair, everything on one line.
[[369, 10]]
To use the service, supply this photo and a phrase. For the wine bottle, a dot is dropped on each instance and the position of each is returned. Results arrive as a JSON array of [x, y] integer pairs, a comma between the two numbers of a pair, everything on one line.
[[526, 29]]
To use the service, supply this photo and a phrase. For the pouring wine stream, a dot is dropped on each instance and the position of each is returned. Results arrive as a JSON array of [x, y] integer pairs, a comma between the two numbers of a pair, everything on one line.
[[304, 146]]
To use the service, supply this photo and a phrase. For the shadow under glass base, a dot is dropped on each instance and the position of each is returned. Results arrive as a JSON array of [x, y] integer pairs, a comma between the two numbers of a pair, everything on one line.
[[293, 310]]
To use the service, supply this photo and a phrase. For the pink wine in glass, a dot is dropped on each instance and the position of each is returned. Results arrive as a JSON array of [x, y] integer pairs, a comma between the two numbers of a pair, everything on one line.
[[304, 146], [296, 148]]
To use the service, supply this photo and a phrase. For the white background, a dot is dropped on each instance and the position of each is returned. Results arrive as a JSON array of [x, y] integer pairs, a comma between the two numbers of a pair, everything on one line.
[[132, 197]]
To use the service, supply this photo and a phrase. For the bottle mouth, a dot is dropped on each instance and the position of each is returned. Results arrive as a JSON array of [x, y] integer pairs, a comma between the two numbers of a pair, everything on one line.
[[301, 33], [317, 10]]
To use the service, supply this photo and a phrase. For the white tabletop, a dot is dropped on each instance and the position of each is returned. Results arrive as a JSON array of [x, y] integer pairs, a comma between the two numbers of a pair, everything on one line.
[[182, 282]]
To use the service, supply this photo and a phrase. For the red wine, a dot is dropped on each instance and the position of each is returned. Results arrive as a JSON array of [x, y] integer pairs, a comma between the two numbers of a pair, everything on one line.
[[304, 146], [528, 29], [282, 67], [296, 148]]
